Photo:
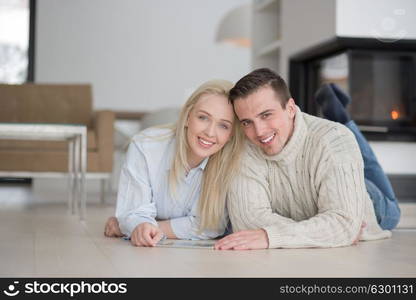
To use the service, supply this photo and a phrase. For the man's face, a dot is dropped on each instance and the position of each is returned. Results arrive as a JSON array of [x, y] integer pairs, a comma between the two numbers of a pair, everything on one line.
[[264, 121]]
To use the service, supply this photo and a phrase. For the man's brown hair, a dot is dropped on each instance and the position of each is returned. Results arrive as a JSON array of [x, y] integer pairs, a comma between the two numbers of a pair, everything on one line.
[[257, 79]]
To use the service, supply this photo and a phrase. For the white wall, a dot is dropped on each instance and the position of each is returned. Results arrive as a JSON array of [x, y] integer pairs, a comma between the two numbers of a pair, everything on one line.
[[376, 18], [396, 157], [137, 54], [148, 54], [304, 24]]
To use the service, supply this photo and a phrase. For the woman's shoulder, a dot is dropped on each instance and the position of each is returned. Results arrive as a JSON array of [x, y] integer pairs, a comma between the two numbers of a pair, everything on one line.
[[156, 133], [154, 138]]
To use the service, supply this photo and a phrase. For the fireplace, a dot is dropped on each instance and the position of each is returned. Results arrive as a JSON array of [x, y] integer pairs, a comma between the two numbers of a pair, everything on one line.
[[379, 76]]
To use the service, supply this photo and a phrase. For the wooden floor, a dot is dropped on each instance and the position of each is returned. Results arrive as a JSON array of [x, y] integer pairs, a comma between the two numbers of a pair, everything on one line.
[[40, 239]]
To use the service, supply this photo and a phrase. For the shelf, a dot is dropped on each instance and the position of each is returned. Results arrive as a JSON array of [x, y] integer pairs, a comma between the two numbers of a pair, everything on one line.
[[266, 4], [270, 48], [266, 35]]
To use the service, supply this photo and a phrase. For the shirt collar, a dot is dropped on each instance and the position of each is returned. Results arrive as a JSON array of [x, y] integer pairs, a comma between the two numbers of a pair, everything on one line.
[[201, 165]]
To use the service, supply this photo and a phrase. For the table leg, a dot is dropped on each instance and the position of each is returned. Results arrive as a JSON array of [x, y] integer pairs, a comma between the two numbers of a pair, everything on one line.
[[71, 176], [83, 173], [77, 169]]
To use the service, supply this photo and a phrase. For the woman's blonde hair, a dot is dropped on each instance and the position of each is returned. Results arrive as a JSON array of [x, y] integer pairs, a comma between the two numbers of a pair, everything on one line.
[[221, 167]]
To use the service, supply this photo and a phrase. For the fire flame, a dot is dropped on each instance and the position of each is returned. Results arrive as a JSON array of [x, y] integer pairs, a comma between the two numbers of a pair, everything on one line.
[[394, 114]]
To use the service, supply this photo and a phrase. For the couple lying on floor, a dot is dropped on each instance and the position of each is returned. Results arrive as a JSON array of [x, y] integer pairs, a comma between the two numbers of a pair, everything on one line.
[[248, 155]]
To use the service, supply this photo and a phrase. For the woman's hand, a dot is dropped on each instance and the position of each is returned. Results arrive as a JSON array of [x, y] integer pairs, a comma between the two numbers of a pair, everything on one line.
[[112, 229], [146, 235]]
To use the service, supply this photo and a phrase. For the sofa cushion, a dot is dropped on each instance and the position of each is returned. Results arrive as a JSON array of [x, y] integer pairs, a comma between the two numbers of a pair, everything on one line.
[[44, 161]]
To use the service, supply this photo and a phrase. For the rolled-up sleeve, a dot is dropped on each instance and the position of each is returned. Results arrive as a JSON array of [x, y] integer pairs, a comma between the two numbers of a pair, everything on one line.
[[187, 228], [134, 199]]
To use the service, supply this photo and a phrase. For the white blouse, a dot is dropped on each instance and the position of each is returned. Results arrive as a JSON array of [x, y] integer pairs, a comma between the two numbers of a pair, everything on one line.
[[144, 194]]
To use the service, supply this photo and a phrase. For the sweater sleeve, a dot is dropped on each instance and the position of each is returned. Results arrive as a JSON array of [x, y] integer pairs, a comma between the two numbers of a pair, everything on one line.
[[249, 199], [339, 218], [337, 223]]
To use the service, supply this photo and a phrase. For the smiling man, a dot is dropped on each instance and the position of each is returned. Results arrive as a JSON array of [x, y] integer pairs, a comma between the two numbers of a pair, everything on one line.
[[301, 182]]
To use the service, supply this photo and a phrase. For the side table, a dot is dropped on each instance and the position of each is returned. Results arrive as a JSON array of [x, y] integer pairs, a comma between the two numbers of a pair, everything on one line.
[[76, 135]]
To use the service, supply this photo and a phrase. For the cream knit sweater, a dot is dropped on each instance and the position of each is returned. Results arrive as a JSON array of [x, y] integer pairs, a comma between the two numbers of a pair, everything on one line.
[[311, 194]]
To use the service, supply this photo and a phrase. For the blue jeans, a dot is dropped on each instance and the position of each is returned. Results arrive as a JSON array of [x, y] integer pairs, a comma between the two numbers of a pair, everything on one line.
[[378, 185]]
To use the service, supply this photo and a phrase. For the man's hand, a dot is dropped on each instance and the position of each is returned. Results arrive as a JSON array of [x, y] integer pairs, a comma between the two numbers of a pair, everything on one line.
[[112, 229], [146, 235], [244, 240]]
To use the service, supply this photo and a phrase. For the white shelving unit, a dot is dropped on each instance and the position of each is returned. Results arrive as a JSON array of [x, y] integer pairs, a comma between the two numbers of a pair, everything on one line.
[[266, 34], [281, 28], [262, 5]]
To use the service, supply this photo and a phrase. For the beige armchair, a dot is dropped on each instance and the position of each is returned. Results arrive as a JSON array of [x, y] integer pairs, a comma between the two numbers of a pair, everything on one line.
[[54, 103]]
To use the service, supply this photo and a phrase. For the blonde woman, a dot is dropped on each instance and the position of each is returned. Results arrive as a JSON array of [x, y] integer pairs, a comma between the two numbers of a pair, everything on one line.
[[173, 183]]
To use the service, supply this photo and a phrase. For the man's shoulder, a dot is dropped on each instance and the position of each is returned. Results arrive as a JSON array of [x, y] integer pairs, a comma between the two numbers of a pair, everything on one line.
[[329, 136], [326, 131]]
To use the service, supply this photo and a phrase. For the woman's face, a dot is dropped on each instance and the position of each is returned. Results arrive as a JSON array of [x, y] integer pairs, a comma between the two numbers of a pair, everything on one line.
[[210, 126]]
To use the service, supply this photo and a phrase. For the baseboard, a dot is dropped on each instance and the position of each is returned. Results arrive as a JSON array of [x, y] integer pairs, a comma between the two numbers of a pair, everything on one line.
[[15, 180], [404, 187]]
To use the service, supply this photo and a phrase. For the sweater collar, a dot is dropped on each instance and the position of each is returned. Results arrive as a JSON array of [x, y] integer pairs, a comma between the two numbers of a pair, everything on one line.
[[295, 143]]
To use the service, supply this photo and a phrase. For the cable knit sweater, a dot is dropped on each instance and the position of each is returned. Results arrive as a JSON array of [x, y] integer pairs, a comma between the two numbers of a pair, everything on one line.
[[311, 194]]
